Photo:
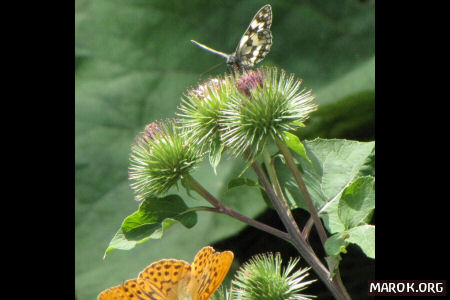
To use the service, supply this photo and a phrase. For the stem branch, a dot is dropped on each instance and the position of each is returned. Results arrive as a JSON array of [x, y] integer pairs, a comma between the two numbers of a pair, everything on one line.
[[338, 290], [336, 281], [222, 208], [279, 193], [301, 185]]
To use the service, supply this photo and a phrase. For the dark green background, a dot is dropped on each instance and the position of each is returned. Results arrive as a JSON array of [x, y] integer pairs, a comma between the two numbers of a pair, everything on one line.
[[133, 62]]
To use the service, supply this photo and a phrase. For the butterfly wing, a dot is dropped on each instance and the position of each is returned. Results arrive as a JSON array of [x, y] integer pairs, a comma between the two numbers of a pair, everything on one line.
[[257, 39], [255, 49], [171, 279], [208, 271], [166, 279], [162, 280], [128, 290]]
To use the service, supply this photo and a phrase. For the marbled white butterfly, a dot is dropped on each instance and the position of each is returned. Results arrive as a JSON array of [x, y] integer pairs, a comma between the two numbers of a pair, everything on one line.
[[254, 44]]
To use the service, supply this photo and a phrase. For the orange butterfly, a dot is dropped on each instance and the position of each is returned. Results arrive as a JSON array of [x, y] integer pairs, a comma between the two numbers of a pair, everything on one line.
[[172, 279]]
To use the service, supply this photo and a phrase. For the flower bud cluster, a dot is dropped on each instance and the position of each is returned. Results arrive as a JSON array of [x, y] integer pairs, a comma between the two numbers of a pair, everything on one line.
[[244, 110], [237, 112]]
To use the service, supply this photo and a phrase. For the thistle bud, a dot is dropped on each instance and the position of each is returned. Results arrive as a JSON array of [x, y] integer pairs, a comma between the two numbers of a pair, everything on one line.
[[263, 278], [159, 158], [200, 110], [268, 105]]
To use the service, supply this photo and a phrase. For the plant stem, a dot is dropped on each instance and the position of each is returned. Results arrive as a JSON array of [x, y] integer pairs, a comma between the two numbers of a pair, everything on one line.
[[222, 208], [301, 185], [307, 228], [338, 290], [279, 193], [336, 280]]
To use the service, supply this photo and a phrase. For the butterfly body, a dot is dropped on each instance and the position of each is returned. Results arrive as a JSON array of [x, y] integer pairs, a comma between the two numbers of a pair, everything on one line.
[[172, 279], [254, 44]]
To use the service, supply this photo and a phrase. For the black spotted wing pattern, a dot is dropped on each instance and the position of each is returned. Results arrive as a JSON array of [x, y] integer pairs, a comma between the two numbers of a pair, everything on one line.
[[257, 39], [254, 44]]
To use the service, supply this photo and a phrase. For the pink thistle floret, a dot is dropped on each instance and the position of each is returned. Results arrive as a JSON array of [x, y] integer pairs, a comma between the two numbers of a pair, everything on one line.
[[249, 81]]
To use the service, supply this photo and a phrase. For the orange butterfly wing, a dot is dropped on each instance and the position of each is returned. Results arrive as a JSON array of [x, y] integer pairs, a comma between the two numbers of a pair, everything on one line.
[[208, 271], [166, 279], [171, 279], [128, 290], [162, 280]]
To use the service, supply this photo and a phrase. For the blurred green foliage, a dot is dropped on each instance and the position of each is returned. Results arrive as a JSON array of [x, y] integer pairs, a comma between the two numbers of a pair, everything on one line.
[[134, 60]]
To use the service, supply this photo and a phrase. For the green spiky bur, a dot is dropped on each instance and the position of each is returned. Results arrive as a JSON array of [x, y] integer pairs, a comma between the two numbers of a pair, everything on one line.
[[268, 104], [160, 157], [264, 278]]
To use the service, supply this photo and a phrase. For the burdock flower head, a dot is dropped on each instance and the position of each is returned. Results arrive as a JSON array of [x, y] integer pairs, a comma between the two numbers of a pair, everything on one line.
[[267, 104], [159, 158], [200, 112], [263, 278], [201, 108]]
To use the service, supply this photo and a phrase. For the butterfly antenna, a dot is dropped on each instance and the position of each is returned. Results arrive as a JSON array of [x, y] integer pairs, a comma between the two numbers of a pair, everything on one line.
[[210, 49], [210, 69]]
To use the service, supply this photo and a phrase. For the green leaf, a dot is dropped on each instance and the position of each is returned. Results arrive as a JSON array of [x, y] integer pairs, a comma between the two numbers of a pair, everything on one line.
[[333, 264], [336, 244], [119, 241], [155, 215], [215, 153], [369, 166], [364, 237], [293, 142], [335, 165], [357, 202]]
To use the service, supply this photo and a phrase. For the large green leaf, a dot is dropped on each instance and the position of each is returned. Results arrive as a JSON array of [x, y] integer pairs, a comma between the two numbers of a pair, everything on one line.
[[363, 236], [133, 61], [357, 202], [350, 220], [154, 216], [343, 198], [335, 165]]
